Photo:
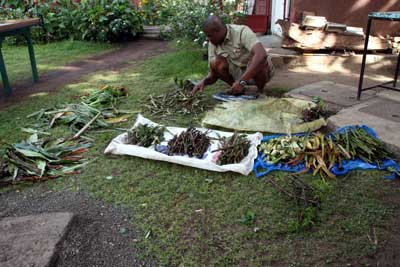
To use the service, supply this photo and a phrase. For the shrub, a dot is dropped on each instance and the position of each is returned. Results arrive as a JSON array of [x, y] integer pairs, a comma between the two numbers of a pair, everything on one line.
[[92, 20], [57, 20], [157, 12], [117, 20], [188, 16]]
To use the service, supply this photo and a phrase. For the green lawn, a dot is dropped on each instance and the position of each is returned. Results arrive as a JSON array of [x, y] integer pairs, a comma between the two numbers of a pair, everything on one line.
[[48, 56], [190, 217]]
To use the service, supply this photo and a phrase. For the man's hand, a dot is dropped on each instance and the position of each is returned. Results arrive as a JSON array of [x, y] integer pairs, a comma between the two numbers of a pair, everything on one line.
[[237, 88], [199, 87]]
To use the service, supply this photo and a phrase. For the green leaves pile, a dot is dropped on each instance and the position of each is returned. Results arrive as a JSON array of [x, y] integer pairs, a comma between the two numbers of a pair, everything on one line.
[[145, 135], [41, 159], [38, 159], [100, 103]]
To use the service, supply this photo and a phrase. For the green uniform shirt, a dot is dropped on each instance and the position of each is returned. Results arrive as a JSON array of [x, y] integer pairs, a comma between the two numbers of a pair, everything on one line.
[[236, 48]]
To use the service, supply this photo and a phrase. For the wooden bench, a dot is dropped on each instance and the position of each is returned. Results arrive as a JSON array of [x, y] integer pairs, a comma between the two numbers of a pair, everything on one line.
[[12, 28]]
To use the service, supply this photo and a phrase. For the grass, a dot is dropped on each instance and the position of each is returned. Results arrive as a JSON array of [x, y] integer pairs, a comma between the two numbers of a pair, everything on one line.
[[191, 217], [49, 57]]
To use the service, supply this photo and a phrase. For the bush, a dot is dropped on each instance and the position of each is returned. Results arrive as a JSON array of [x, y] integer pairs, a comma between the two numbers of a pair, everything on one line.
[[115, 21], [157, 12], [57, 21], [188, 17], [13, 4], [91, 20]]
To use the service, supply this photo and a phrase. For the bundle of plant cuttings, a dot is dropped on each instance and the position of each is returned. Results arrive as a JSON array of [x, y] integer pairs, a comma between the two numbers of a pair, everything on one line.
[[41, 159], [232, 149], [106, 96], [282, 149], [145, 135], [191, 142], [357, 142], [316, 112], [180, 101], [320, 153], [96, 111]]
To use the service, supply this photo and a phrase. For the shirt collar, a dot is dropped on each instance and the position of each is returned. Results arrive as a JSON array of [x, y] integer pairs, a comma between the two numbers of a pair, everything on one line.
[[228, 33]]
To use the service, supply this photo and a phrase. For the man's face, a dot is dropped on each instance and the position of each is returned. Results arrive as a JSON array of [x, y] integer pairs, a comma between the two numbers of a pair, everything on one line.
[[215, 35]]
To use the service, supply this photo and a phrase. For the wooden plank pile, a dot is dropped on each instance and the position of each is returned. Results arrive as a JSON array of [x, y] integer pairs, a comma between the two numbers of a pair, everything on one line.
[[394, 43], [316, 33]]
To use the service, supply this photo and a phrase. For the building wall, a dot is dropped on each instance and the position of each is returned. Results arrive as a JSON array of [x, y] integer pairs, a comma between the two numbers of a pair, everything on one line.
[[349, 12]]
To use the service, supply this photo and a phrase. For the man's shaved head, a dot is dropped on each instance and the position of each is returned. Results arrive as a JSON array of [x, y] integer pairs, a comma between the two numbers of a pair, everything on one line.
[[213, 22], [214, 29]]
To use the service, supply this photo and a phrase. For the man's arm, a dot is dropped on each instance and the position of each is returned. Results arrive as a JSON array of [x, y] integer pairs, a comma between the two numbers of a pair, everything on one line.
[[211, 78], [208, 80], [258, 57]]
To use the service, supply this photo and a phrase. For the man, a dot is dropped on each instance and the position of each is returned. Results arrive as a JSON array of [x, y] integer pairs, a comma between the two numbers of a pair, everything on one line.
[[235, 56]]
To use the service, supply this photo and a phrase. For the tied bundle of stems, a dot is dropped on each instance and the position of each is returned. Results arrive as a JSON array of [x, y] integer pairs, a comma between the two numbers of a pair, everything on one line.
[[180, 101], [233, 149], [359, 143], [145, 135], [191, 142]]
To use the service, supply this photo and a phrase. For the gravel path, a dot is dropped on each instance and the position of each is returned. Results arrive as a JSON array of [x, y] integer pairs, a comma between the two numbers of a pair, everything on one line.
[[101, 234]]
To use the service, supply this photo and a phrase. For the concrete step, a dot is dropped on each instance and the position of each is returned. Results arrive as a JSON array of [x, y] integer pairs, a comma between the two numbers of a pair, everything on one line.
[[333, 63], [377, 109], [32, 240], [154, 36], [384, 120]]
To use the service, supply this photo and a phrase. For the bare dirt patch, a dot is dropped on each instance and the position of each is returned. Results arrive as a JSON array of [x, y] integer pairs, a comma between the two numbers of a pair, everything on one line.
[[49, 82]]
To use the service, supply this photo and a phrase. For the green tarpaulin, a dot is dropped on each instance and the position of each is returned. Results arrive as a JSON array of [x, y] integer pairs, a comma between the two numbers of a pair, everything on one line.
[[273, 115]]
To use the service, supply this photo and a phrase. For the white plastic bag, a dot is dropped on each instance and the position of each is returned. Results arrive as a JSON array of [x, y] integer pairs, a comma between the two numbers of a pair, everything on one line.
[[118, 147]]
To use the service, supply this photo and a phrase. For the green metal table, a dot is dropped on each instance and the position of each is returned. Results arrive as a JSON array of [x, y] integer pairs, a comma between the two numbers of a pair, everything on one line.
[[12, 28], [392, 85]]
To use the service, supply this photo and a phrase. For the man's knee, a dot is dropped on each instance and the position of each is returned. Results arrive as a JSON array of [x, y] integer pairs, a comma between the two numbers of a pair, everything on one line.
[[219, 65]]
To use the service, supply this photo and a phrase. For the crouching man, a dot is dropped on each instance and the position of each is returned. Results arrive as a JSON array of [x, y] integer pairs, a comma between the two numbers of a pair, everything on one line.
[[235, 56]]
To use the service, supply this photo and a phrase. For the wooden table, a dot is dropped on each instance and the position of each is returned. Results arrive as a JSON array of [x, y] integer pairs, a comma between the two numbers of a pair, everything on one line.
[[392, 85], [12, 28]]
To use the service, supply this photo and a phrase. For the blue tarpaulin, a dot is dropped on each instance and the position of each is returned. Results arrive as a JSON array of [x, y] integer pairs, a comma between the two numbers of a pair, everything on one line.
[[261, 167]]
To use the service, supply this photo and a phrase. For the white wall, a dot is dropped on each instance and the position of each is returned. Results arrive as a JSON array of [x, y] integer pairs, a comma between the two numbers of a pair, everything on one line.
[[277, 13]]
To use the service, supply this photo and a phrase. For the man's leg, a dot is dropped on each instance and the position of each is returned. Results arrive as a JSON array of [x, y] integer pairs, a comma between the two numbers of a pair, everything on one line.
[[264, 75], [220, 68]]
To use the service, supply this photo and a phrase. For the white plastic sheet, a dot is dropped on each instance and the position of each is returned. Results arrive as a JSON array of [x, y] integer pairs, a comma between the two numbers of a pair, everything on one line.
[[118, 147]]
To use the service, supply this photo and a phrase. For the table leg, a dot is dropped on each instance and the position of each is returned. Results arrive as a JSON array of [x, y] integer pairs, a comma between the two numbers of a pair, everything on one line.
[[28, 38], [396, 74], [360, 84], [4, 76]]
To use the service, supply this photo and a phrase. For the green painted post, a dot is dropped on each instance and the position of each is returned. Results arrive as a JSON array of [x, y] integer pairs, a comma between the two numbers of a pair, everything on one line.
[[27, 34], [4, 77]]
